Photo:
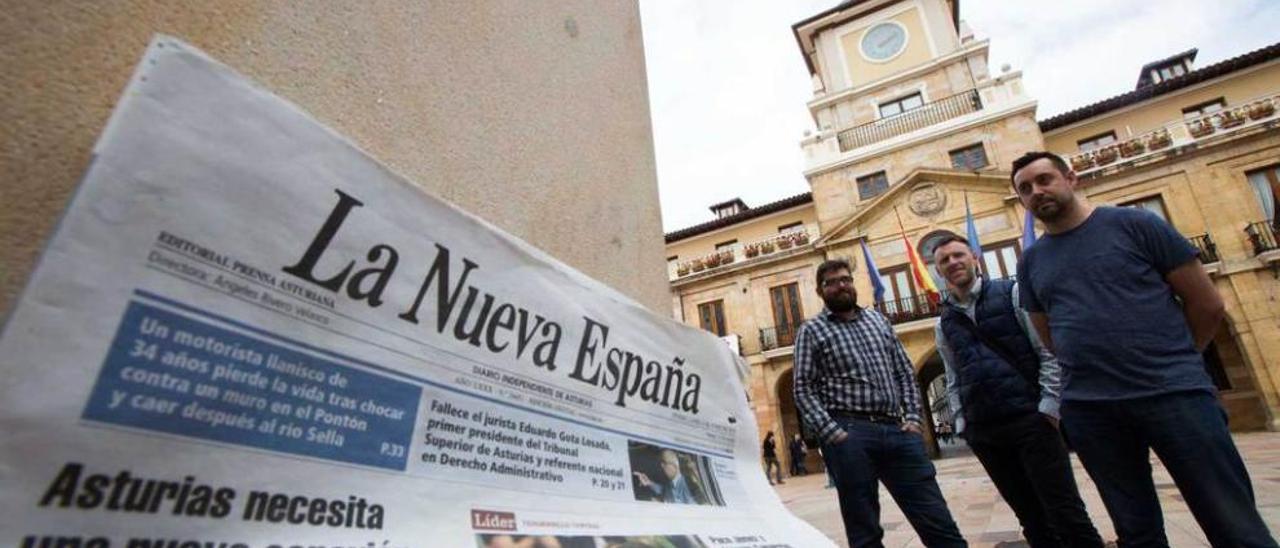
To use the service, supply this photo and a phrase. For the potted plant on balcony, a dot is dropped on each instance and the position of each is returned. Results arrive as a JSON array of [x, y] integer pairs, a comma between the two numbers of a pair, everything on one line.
[[1202, 127], [1160, 139], [682, 269], [1261, 109], [1105, 155], [1131, 148], [785, 242], [1081, 162], [766, 247], [801, 238], [712, 260], [752, 250], [698, 265], [727, 257], [1231, 118]]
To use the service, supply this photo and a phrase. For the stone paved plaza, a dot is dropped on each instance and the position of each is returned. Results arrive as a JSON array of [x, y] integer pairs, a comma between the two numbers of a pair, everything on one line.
[[985, 519]]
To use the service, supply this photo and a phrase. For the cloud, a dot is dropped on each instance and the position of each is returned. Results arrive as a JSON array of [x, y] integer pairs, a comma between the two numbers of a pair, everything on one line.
[[728, 85]]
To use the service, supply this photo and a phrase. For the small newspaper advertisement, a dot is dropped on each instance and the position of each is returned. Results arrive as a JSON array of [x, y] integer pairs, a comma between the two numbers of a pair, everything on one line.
[[247, 333]]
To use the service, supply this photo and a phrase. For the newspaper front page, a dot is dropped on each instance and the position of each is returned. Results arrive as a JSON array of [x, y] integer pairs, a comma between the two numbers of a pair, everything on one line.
[[248, 333]]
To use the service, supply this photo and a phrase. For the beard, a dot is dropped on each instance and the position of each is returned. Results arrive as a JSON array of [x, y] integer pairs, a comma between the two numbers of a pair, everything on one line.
[[1048, 209], [841, 302]]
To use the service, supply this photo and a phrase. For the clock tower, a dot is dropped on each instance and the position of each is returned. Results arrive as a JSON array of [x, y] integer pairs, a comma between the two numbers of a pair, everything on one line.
[[901, 88]]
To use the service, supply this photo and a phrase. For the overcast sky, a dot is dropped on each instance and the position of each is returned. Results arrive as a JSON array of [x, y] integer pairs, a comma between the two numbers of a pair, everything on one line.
[[728, 86]]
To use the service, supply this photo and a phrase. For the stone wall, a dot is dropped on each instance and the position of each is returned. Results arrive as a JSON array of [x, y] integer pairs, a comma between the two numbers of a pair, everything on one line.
[[532, 116]]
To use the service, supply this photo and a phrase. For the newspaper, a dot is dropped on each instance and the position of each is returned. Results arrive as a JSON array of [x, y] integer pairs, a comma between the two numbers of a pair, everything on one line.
[[248, 333]]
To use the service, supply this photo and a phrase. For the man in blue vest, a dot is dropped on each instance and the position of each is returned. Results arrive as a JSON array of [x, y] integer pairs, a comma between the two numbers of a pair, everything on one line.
[[1003, 386]]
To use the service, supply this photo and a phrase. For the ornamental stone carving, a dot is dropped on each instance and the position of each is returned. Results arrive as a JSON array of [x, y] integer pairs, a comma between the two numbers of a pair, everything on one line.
[[927, 198]]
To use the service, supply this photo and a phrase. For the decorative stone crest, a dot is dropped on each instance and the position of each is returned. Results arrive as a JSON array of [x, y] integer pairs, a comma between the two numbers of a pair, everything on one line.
[[927, 198]]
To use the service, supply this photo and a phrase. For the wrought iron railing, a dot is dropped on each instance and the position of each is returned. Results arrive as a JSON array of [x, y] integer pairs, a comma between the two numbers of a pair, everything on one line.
[[1264, 236], [1178, 133], [909, 309], [777, 337], [794, 239], [1208, 249], [920, 117]]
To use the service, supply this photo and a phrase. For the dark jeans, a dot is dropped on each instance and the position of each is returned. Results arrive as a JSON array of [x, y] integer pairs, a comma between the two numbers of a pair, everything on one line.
[[772, 464], [1188, 431], [884, 453], [797, 464], [1028, 463]]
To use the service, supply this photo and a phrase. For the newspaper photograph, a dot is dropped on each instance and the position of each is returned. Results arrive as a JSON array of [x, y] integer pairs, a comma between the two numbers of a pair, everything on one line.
[[246, 332]]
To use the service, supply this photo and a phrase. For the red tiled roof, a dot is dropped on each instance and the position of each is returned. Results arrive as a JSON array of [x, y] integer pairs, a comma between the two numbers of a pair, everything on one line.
[[772, 207], [1255, 57]]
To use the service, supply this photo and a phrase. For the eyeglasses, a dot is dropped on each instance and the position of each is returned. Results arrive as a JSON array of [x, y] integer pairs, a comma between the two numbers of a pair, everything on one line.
[[837, 282]]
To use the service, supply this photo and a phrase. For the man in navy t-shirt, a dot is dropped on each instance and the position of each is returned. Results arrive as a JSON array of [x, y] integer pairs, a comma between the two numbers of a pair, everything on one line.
[[1122, 300]]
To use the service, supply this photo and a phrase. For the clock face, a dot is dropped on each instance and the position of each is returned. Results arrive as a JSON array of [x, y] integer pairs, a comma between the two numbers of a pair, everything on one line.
[[883, 41]]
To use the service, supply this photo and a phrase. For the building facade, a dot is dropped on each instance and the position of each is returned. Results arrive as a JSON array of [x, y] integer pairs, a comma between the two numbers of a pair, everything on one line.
[[914, 130]]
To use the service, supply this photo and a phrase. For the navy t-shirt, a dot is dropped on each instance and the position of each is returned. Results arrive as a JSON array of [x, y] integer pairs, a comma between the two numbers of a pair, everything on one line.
[[1116, 328]]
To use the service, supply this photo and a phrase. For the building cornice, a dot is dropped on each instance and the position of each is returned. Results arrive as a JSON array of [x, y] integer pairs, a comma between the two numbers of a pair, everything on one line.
[[894, 145], [717, 226]]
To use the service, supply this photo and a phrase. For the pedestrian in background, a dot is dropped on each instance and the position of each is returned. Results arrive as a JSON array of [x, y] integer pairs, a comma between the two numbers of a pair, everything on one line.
[[770, 451]]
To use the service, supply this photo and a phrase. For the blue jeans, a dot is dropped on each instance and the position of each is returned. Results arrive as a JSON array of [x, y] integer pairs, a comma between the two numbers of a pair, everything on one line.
[[883, 453], [1188, 432]]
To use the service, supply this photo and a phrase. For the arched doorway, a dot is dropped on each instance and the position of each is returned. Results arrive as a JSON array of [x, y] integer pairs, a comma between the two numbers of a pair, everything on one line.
[[933, 400], [791, 425]]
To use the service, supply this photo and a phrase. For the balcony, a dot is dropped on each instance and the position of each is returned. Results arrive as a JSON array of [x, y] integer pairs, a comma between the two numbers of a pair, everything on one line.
[[921, 117], [1176, 136], [772, 247], [909, 309], [829, 147], [772, 338], [1264, 235], [1208, 249]]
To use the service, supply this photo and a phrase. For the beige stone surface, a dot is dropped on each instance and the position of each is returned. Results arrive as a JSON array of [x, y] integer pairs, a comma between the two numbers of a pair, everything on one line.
[[762, 228], [1236, 91], [532, 115], [986, 520], [836, 192]]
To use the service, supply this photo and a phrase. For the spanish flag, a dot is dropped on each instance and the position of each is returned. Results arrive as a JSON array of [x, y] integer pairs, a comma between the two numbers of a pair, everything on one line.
[[924, 281]]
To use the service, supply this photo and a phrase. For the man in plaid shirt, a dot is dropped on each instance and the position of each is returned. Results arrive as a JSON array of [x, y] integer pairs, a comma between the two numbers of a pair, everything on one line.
[[855, 388]]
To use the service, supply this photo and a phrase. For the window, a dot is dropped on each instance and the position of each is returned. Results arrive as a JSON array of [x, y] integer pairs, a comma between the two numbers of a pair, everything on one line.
[[1154, 204], [1207, 107], [970, 157], [785, 301], [1169, 71], [726, 246], [791, 228], [729, 208], [901, 105], [711, 317], [672, 265], [1266, 187], [870, 186], [897, 285], [1001, 260], [1097, 141]]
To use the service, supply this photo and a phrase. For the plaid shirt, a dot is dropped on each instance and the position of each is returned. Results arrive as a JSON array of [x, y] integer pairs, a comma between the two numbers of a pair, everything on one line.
[[854, 366]]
